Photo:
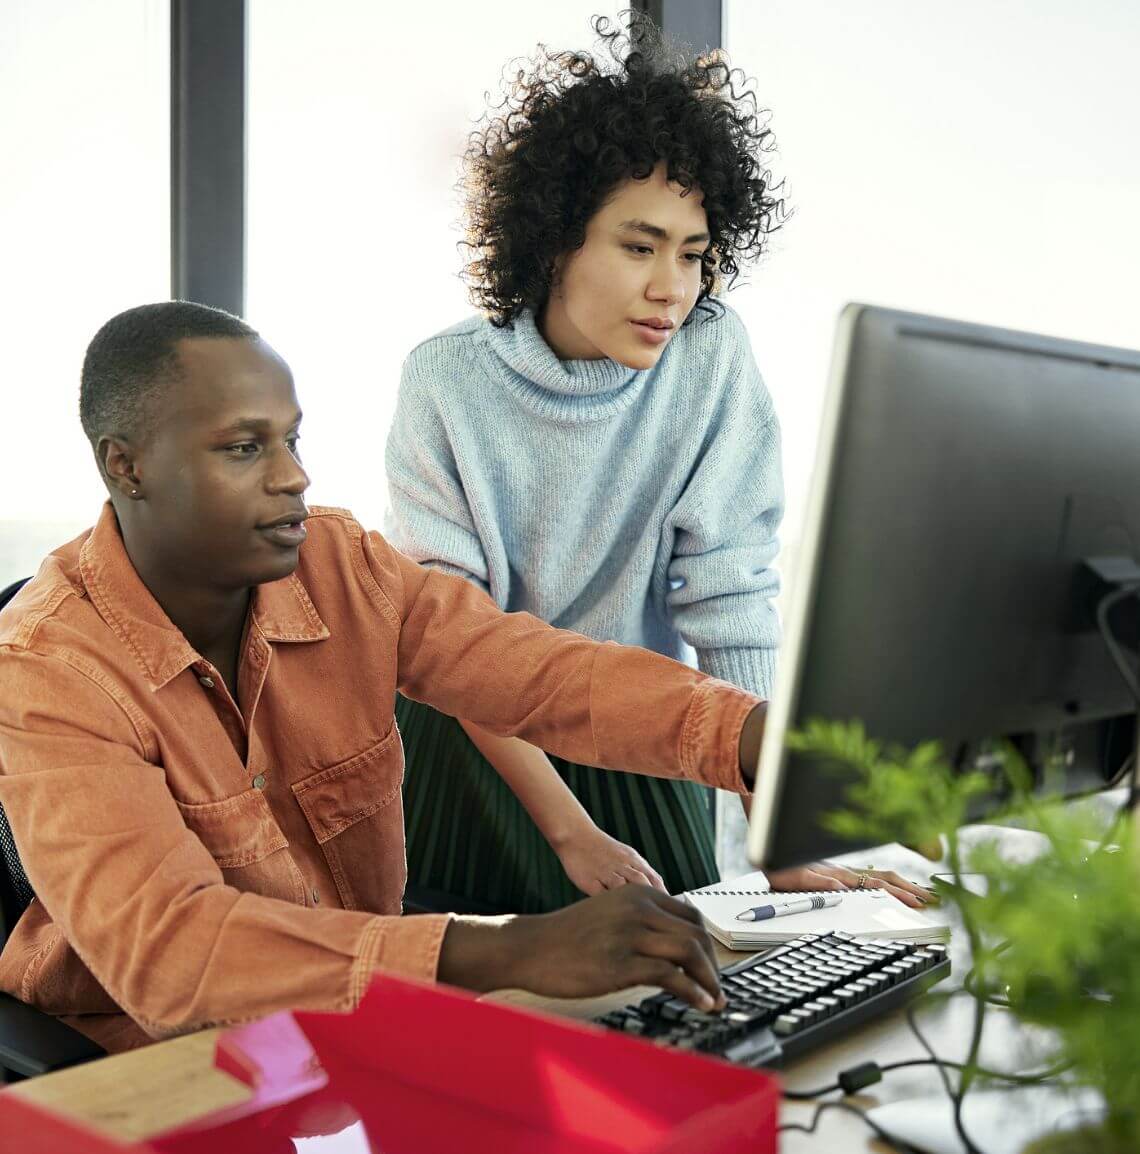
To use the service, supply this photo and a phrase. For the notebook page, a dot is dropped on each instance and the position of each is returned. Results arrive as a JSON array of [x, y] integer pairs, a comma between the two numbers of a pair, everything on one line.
[[867, 913]]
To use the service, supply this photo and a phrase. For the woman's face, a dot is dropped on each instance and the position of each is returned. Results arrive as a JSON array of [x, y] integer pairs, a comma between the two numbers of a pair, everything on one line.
[[627, 290]]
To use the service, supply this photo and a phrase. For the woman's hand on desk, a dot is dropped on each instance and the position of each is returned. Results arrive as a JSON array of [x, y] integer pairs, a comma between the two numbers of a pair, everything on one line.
[[596, 862], [825, 876], [631, 936]]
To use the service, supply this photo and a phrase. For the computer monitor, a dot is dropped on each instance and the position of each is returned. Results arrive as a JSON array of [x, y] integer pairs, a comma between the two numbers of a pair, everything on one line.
[[964, 473]]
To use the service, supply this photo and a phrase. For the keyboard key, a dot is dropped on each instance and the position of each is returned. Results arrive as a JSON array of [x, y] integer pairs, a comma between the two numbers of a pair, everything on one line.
[[674, 1009], [786, 1024]]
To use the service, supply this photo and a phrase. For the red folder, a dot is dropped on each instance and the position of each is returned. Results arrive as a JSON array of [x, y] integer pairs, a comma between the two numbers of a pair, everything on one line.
[[423, 1069]]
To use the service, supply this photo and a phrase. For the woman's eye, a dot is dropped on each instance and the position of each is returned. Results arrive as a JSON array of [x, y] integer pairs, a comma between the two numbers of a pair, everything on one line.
[[694, 257], [640, 249]]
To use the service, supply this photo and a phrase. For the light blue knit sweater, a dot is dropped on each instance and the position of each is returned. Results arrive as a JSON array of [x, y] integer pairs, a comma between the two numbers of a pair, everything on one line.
[[640, 507]]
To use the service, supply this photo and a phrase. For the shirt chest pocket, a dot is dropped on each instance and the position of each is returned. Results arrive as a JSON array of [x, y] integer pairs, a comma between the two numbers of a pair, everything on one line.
[[247, 843], [356, 813]]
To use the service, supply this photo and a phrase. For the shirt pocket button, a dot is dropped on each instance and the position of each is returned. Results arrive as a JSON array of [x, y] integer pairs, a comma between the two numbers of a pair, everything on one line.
[[259, 781]]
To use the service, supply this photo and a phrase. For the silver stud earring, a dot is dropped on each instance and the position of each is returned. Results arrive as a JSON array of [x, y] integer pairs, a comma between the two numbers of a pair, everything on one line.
[[134, 492]]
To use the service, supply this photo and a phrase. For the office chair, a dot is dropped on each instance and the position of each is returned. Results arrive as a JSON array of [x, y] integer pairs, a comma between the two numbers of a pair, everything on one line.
[[31, 1042]]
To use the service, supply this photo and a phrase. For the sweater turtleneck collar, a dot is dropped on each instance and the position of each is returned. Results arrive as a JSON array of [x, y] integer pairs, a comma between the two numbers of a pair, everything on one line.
[[587, 390]]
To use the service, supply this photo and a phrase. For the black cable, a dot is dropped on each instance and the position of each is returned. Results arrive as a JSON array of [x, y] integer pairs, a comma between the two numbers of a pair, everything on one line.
[[1121, 661], [859, 1077], [847, 1108], [1114, 649], [955, 1096], [1124, 770], [981, 1071], [971, 987]]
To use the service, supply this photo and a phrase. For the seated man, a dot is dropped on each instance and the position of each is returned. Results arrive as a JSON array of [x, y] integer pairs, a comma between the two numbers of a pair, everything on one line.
[[198, 755]]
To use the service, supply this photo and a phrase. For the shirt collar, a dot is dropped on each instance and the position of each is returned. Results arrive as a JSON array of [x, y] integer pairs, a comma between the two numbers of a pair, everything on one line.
[[281, 610]]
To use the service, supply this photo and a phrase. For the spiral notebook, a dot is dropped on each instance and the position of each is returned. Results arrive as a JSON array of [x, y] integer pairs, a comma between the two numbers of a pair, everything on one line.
[[865, 913]]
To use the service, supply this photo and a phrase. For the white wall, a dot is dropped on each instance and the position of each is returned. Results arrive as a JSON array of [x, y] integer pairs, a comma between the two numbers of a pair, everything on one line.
[[357, 119], [977, 159], [84, 232]]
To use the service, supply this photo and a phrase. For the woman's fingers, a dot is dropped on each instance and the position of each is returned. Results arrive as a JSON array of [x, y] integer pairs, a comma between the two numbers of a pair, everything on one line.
[[908, 893], [813, 877], [828, 876], [633, 876], [643, 874]]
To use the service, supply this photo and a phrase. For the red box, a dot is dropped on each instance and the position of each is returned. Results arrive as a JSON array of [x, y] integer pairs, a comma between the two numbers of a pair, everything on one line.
[[423, 1069]]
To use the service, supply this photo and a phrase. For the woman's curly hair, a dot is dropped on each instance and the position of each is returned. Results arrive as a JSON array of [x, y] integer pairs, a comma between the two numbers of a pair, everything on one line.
[[572, 126]]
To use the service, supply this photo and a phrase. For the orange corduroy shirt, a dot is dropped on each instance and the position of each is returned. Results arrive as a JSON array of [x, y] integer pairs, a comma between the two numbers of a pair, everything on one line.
[[197, 861]]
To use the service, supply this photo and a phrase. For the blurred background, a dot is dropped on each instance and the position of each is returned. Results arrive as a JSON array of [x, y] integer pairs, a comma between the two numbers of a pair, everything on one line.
[[976, 159]]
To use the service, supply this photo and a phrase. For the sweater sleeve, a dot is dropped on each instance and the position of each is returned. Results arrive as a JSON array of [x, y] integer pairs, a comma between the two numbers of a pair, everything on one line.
[[429, 517], [724, 533]]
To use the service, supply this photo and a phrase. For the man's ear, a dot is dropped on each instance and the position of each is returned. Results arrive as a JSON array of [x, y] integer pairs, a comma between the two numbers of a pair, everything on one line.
[[118, 463]]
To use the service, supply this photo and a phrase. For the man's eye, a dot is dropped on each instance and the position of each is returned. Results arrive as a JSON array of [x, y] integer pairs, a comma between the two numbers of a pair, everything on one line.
[[243, 448], [694, 257], [640, 249], [291, 445]]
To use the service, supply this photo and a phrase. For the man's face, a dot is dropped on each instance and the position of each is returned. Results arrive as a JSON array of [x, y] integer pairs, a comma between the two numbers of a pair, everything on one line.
[[626, 291], [220, 471]]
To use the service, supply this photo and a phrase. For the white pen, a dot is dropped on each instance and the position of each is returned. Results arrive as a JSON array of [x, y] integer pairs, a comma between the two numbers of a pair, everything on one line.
[[800, 906]]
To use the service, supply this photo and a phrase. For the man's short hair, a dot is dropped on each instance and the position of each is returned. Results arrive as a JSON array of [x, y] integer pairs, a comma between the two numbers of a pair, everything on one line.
[[134, 356]]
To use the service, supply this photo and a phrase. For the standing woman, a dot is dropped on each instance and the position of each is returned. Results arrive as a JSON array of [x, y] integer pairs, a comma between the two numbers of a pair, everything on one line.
[[596, 448]]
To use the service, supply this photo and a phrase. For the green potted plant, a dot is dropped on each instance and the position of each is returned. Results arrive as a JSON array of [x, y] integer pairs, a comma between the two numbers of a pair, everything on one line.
[[1058, 937]]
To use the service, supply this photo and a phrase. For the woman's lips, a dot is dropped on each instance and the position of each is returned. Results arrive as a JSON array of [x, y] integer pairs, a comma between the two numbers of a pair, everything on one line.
[[651, 334]]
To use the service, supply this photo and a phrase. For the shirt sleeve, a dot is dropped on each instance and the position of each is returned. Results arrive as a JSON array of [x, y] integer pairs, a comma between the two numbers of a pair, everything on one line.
[[597, 703], [429, 517], [721, 580], [137, 895]]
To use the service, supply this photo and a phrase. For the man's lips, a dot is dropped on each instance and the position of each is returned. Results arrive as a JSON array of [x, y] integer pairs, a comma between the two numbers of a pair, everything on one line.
[[294, 518], [287, 530]]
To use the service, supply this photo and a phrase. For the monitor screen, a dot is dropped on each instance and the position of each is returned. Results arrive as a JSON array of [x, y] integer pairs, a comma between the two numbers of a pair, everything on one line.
[[964, 472]]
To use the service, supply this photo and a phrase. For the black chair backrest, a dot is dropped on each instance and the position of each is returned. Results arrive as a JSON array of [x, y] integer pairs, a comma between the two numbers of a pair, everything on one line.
[[15, 891]]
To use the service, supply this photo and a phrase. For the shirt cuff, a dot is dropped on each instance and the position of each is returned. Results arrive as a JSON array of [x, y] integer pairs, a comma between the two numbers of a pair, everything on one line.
[[710, 737], [406, 947]]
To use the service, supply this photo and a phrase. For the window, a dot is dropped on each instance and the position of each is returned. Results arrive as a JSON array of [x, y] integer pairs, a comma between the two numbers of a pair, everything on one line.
[[973, 160], [84, 229], [358, 113]]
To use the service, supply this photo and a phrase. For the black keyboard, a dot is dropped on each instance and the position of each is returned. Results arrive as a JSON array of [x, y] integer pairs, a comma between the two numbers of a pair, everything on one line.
[[794, 997]]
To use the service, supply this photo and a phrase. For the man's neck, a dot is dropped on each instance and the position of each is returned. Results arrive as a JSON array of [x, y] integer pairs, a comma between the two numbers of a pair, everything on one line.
[[211, 619]]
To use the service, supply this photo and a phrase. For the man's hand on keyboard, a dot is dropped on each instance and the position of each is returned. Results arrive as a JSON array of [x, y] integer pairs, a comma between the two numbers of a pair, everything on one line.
[[631, 936]]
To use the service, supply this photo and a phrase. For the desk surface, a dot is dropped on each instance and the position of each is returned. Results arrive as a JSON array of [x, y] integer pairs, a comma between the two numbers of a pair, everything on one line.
[[132, 1096], [135, 1095]]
